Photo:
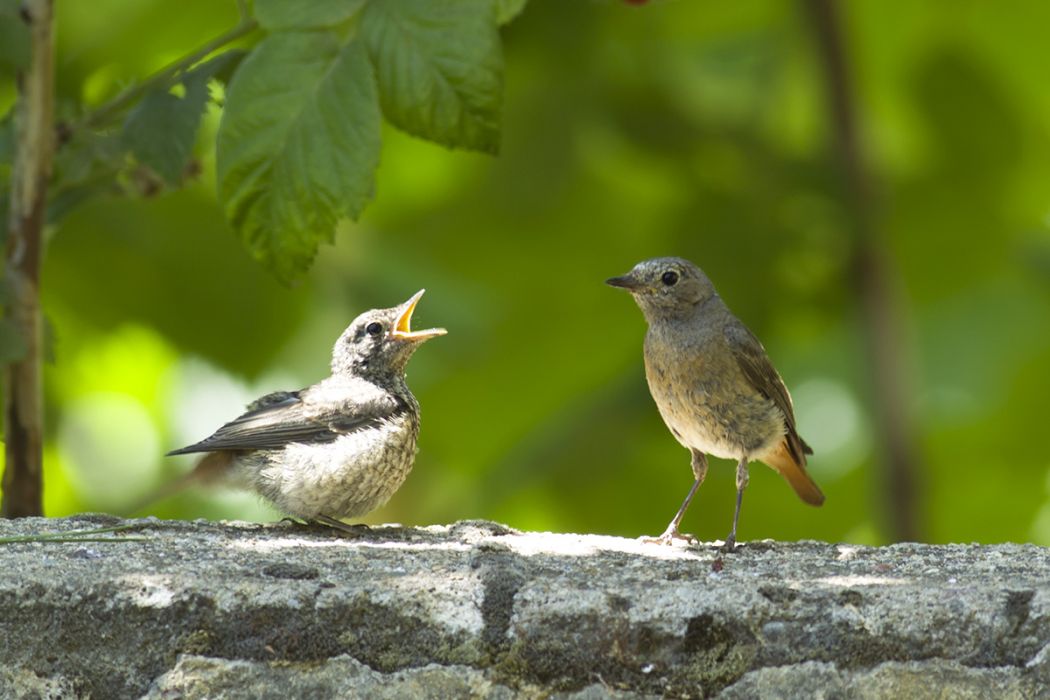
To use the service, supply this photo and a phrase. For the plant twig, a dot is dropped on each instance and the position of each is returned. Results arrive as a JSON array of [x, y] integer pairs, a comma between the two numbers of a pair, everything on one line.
[[166, 75], [874, 278], [34, 150]]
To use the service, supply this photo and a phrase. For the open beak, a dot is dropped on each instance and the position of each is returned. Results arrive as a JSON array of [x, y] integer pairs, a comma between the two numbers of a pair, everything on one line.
[[624, 282], [403, 327]]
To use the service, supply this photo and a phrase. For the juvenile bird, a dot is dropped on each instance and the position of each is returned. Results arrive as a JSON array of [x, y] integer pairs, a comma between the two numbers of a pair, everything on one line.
[[339, 448], [715, 387]]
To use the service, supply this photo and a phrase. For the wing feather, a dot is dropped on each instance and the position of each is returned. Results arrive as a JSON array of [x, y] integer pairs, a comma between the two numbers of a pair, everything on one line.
[[754, 363], [282, 418]]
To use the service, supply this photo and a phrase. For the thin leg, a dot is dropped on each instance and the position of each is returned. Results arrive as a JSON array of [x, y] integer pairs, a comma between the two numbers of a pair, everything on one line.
[[741, 484], [354, 530], [671, 533]]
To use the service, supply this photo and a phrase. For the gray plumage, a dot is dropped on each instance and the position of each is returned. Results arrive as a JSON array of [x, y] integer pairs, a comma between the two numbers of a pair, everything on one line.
[[712, 382], [337, 449]]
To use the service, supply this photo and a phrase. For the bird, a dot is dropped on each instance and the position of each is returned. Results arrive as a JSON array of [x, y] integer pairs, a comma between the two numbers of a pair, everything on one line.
[[337, 449], [713, 384]]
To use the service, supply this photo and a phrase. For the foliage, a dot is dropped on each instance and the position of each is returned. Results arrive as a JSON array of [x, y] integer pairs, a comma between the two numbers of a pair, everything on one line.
[[299, 139], [627, 132]]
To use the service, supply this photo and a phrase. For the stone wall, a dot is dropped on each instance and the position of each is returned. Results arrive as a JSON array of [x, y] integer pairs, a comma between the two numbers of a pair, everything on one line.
[[209, 610]]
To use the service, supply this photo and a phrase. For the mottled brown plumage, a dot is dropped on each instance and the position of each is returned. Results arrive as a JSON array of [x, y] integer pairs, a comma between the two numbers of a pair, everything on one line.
[[712, 382]]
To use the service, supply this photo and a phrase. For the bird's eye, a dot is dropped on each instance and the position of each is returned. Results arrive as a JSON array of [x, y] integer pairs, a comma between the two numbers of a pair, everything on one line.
[[374, 328], [670, 278]]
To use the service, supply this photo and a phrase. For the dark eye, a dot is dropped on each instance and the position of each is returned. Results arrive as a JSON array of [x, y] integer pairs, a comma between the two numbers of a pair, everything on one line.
[[670, 278], [374, 328]]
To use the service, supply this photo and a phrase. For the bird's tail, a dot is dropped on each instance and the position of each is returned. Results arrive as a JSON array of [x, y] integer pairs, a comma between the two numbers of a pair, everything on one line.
[[210, 468], [784, 461]]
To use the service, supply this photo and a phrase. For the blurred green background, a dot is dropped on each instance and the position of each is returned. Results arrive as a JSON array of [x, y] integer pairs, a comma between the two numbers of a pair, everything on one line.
[[688, 128]]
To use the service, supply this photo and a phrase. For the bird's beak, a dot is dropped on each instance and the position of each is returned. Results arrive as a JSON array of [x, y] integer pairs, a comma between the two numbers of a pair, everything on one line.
[[403, 327], [624, 282]]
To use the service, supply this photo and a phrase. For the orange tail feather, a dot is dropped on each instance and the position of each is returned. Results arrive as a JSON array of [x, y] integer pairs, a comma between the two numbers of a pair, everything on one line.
[[782, 461]]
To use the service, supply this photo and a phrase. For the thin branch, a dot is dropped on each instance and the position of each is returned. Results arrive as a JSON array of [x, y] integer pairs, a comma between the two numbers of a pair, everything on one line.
[[34, 151], [874, 277], [166, 75]]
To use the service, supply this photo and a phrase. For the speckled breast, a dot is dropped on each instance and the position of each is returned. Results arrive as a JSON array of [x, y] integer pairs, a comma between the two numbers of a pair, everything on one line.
[[346, 478]]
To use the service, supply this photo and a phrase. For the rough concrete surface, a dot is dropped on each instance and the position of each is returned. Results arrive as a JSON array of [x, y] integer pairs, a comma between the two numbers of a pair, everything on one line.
[[474, 609]]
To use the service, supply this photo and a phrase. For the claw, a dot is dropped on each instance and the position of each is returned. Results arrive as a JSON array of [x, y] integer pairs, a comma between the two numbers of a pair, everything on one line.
[[340, 526], [670, 537]]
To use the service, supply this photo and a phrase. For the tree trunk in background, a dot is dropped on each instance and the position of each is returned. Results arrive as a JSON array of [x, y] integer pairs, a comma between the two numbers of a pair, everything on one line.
[[875, 281], [23, 415]]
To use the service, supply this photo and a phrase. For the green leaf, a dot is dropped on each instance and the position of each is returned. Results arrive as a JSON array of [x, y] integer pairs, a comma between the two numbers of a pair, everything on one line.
[[162, 128], [506, 10], [222, 66], [439, 67], [13, 346], [282, 14], [298, 145]]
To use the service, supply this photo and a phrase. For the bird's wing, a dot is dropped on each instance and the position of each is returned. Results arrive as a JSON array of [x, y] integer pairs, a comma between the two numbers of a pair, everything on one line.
[[284, 417], [751, 358]]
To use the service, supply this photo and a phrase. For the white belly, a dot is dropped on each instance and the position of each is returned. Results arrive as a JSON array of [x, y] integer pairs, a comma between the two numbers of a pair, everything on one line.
[[346, 478]]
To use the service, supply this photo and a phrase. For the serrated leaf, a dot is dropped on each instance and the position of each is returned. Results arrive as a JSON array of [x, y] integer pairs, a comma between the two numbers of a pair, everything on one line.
[[160, 131], [222, 66], [506, 10], [13, 346], [298, 145], [162, 128], [282, 14], [440, 68]]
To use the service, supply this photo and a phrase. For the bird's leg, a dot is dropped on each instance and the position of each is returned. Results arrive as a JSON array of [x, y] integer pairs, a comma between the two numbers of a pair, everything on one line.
[[354, 530], [741, 484], [671, 533]]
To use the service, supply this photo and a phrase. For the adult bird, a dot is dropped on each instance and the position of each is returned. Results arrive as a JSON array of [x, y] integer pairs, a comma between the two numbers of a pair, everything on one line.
[[713, 384]]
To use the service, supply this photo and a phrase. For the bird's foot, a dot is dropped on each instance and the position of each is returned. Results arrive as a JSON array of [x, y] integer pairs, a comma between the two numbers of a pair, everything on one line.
[[729, 545], [670, 537], [354, 530]]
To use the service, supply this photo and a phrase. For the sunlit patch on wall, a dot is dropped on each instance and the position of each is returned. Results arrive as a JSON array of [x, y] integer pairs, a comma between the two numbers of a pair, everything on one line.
[[829, 418]]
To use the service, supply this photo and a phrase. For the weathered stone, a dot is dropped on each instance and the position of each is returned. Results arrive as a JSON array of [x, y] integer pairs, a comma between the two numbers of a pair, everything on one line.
[[202, 678], [203, 610]]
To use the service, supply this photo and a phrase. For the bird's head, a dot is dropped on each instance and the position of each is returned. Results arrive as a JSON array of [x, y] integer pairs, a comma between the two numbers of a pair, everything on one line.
[[666, 287], [380, 341]]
